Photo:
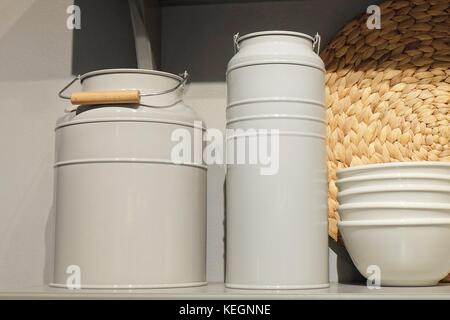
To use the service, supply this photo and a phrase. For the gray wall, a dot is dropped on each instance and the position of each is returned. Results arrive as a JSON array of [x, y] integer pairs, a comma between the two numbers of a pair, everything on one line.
[[200, 37], [38, 55]]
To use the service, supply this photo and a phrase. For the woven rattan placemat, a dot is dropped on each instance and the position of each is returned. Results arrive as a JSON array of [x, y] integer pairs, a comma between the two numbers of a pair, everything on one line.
[[388, 90]]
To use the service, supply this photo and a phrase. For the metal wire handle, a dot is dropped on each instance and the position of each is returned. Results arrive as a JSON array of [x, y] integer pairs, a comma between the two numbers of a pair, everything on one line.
[[315, 45], [184, 76]]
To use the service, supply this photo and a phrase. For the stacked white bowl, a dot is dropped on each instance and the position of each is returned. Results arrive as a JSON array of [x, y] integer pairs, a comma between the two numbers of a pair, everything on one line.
[[395, 221]]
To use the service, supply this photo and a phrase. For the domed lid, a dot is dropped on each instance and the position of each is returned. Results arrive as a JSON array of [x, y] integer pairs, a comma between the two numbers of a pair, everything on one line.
[[274, 33], [160, 98], [276, 47]]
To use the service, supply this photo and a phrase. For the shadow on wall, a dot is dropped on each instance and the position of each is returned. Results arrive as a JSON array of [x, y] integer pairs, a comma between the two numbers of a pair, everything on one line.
[[49, 246], [199, 37], [105, 39], [33, 40], [346, 270]]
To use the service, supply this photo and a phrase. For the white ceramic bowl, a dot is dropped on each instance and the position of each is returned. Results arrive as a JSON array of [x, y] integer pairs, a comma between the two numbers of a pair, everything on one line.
[[407, 252], [410, 193], [367, 211], [392, 179], [419, 167]]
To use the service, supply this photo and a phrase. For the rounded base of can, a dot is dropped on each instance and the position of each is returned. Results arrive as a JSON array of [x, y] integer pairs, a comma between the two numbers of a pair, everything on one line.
[[276, 287], [129, 286]]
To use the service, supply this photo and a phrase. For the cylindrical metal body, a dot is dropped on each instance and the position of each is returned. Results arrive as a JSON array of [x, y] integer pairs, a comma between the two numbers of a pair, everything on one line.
[[127, 215], [277, 235]]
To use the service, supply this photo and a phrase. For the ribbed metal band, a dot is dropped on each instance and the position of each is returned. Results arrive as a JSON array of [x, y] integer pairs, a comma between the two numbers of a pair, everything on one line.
[[275, 99], [275, 116], [279, 133], [173, 122], [127, 160]]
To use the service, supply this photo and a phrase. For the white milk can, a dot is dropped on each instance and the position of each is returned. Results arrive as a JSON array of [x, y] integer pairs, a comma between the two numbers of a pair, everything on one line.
[[128, 215], [277, 235]]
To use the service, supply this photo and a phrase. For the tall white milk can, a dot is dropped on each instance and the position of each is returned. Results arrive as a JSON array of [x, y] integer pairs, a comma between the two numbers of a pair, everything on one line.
[[276, 211], [129, 214]]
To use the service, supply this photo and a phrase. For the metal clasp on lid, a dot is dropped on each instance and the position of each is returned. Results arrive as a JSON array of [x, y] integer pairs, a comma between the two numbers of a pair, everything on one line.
[[316, 43], [60, 93], [236, 42]]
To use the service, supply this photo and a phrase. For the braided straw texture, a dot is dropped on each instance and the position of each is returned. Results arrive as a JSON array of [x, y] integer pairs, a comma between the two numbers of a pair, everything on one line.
[[388, 90]]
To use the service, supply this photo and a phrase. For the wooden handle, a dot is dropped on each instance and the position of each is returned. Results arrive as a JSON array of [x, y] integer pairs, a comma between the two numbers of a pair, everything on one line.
[[106, 97]]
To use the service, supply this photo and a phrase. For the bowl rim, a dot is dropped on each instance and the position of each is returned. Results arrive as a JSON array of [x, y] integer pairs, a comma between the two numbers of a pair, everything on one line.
[[391, 176], [394, 205], [396, 222], [395, 164], [411, 187]]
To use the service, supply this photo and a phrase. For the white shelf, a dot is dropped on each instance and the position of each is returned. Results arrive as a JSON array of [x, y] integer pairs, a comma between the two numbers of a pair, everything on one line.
[[218, 291]]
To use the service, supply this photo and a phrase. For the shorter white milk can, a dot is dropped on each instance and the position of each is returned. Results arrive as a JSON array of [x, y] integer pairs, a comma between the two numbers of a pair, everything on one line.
[[128, 215], [277, 235]]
